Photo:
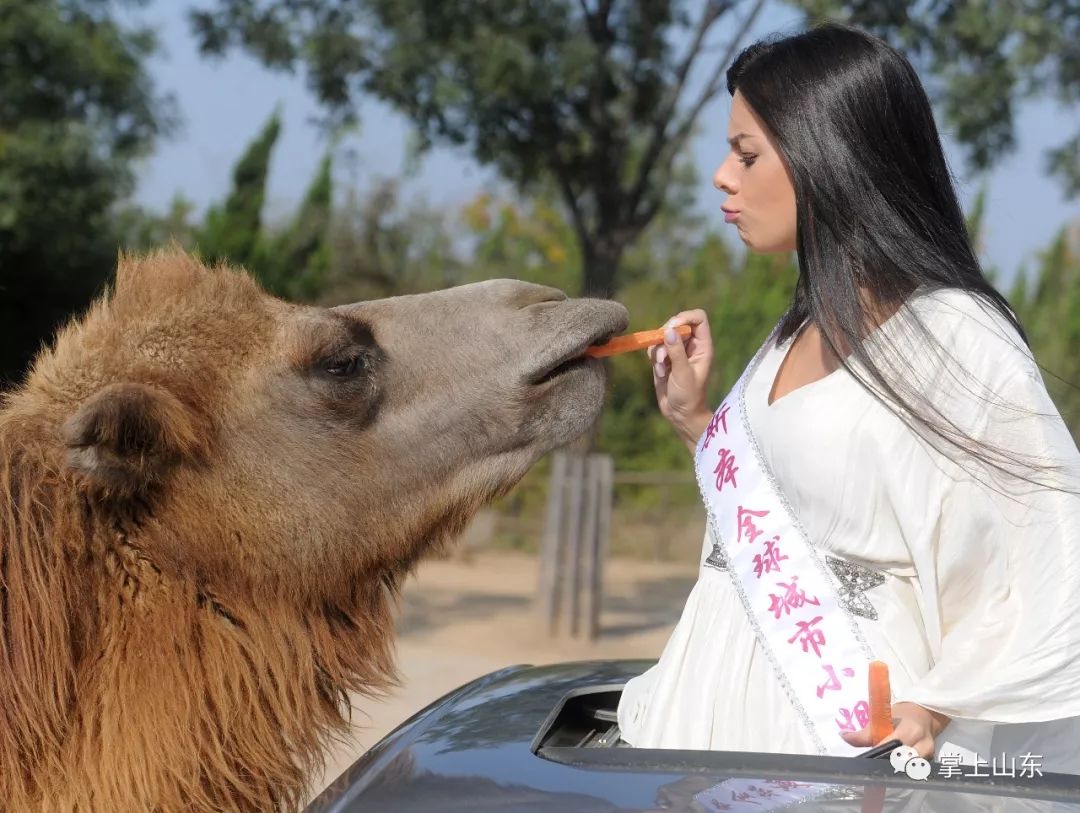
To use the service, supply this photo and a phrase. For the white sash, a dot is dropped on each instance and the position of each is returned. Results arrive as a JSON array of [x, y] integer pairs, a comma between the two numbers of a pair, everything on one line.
[[813, 642]]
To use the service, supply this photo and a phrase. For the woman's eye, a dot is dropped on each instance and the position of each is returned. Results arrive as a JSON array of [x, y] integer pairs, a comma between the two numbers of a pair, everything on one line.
[[747, 160], [346, 367]]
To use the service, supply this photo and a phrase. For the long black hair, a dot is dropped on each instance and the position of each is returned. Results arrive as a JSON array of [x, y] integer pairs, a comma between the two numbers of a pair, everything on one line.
[[877, 213]]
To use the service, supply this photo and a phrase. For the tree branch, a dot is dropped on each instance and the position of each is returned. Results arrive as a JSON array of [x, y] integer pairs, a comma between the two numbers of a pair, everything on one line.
[[607, 150], [712, 13], [562, 176], [669, 148], [716, 82], [598, 17]]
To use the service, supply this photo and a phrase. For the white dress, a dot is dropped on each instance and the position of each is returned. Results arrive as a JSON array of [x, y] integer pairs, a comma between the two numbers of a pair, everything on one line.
[[978, 616]]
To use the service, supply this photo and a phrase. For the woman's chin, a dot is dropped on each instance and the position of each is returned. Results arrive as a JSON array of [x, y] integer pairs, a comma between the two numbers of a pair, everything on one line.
[[765, 247]]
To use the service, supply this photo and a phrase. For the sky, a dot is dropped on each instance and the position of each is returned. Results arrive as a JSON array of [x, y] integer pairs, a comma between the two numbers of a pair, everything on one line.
[[224, 103]]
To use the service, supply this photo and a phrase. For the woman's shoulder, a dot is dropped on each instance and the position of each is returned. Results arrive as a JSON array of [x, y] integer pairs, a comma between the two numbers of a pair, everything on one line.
[[973, 331]]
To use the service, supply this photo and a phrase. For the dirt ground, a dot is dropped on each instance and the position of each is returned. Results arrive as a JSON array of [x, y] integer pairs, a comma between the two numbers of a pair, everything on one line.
[[464, 618]]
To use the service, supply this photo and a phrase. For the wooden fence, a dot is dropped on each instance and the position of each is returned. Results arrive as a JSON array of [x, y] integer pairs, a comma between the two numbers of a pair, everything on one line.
[[576, 531]]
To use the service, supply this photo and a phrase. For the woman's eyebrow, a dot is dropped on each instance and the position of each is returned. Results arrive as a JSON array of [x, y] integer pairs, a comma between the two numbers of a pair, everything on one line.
[[734, 140]]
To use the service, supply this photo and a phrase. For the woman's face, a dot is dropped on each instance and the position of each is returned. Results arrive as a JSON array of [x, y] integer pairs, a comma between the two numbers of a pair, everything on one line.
[[760, 196]]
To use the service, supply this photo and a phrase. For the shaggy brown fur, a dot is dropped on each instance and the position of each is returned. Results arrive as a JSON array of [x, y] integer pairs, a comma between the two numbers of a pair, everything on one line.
[[211, 497]]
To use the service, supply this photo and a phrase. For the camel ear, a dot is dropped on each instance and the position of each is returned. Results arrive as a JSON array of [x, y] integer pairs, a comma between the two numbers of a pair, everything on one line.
[[126, 437]]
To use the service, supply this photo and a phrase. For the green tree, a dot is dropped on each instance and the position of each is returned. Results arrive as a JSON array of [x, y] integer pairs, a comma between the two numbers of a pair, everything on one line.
[[382, 246], [141, 229], [1048, 303], [292, 261], [77, 108], [981, 59], [298, 264], [598, 99], [233, 230]]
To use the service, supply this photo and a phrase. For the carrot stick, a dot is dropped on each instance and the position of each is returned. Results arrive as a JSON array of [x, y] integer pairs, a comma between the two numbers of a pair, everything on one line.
[[634, 341], [873, 800], [881, 724]]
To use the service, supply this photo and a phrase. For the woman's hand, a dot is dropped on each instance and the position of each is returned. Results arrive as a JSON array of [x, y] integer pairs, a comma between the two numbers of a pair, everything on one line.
[[912, 724], [681, 373]]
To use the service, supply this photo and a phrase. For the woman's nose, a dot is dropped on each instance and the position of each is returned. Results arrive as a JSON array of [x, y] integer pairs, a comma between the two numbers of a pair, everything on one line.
[[723, 180]]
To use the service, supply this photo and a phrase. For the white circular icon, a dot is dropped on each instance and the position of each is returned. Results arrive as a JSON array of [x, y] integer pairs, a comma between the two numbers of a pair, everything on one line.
[[917, 768], [900, 755]]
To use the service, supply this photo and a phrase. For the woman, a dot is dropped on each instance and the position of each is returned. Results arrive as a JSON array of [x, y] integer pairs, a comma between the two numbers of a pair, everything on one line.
[[889, 479]]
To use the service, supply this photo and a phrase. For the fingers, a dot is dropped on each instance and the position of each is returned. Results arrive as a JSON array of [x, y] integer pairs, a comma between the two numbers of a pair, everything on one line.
[[860, 738], [658, 361], [699, 324], [695, 318], [658, 356], [907, 732], [915, 735], [660, 385], [676, 356], [676, 353]]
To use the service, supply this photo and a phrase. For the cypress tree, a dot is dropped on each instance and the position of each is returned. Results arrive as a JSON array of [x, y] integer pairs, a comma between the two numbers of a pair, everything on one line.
[[232, 232]]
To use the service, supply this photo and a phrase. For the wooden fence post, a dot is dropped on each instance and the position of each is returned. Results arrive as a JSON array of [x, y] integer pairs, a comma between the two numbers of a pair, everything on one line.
[[551, 546], [604, 479], [569, 568], [578, 522]]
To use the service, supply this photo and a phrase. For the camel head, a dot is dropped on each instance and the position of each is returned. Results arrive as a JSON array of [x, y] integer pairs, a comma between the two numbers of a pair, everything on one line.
[[287, 447]]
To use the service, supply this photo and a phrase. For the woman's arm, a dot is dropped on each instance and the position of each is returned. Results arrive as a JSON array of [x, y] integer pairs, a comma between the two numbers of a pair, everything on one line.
[[998, 563]]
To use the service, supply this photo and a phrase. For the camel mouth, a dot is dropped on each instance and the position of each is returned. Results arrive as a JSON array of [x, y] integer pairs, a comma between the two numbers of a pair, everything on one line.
[[565, 368], [574, 359]]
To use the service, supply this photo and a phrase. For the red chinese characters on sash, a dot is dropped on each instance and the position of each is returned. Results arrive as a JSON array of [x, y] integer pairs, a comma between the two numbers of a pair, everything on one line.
[[793, 598], [855, 718], [726, 470], [746, 528], [808, 636], [770, 559], [719, 420], [833, 683]]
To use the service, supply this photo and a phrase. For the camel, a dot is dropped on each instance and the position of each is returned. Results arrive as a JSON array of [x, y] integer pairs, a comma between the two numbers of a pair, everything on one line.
[[212, 496]]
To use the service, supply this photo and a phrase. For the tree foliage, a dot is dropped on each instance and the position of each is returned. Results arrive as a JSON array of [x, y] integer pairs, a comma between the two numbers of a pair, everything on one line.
[[77, 108], [981, 60], [291, 260], [233, 230], [1048, 302], [299, 259]]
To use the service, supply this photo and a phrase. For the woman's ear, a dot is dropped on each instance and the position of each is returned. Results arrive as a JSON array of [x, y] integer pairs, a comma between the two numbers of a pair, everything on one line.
[[126, 437]]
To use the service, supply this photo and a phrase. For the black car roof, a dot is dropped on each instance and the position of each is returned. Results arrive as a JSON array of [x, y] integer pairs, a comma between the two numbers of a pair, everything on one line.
[[478, 749]]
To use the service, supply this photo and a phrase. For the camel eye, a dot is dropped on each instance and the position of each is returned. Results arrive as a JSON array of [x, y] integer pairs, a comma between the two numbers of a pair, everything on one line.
[[346, 368]]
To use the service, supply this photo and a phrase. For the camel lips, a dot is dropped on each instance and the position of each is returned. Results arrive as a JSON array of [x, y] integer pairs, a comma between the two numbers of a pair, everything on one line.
[[634, 341]]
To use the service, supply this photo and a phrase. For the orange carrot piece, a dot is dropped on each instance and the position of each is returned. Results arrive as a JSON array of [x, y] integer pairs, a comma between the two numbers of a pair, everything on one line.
[[873, 800], [881, 724], [634, 341]]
